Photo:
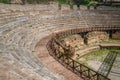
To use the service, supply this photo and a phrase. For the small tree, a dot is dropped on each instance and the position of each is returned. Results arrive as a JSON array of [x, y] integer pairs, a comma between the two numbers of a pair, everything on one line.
[[5, 1], [92, 3], [80, 2], [30, 1], [70, 3], [60, 2], [77, 2]]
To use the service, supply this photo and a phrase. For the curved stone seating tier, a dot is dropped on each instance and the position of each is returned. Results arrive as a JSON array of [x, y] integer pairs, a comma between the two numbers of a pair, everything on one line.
[[102, 17], [21, 28], [19, 39], [29, 60]]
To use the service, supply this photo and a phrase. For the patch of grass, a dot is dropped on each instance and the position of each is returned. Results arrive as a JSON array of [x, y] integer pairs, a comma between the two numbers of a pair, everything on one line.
[[5, 1], [83, 62], [100, 52], [112, 41], [116, 51], [98, 55]]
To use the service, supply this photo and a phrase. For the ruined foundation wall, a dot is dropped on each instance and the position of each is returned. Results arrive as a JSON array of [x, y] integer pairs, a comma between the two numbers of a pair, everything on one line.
[[96, 37], [74, 40], [116, 35]]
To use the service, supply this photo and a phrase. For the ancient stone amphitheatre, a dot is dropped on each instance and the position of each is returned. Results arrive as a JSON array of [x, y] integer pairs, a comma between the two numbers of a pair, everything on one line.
[[28, 33]]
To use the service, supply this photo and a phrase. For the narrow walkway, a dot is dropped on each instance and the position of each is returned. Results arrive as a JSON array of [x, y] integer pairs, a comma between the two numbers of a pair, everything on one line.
[[51, 63]]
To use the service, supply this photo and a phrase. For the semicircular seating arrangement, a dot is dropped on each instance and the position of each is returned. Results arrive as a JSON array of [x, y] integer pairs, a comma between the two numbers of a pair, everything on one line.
[[23, 26]]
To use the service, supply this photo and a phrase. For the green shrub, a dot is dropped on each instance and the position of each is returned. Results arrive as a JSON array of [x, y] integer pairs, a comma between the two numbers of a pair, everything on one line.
[[115, 51], [62, 1], [92, 3], [30, 1], [38, 1], [5, 1]]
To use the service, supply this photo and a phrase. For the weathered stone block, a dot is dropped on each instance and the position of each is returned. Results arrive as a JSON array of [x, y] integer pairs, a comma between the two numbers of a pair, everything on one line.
[[116, 35], [96, 37]]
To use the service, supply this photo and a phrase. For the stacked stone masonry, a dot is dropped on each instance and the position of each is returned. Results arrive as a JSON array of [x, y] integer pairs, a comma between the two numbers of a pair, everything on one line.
[[96, 37], [74, 40], [116, 35]]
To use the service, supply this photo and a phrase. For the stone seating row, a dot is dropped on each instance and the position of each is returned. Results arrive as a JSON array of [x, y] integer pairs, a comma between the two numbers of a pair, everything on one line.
[[19, 37], [25, 59]]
